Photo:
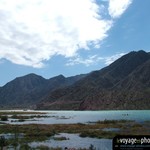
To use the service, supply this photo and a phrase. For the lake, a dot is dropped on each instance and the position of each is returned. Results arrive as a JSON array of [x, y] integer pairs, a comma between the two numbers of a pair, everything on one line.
[[69, 117]]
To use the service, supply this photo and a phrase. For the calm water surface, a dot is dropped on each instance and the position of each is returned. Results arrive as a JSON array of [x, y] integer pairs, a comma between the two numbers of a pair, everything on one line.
[[74, 141], [68, 117]]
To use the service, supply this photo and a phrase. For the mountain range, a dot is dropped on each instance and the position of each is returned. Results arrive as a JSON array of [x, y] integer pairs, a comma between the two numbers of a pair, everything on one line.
[[124, 84], [28, 90]]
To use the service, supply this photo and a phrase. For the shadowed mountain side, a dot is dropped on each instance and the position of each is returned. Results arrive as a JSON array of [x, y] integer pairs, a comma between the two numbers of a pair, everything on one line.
[[30, 89], [114, 87], [22, 91], [131, 93]]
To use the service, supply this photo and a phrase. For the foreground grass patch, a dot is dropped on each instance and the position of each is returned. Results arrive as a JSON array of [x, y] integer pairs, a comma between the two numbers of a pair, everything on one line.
[[97, 128], [42, 132]]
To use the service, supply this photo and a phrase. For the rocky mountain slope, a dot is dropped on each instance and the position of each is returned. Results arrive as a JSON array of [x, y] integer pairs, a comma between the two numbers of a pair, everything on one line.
[[30, 89], [122, 85]]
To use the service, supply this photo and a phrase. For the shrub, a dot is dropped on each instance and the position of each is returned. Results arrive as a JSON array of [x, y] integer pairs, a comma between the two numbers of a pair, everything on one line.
[[3, 141], [4, 118], [25, 147]]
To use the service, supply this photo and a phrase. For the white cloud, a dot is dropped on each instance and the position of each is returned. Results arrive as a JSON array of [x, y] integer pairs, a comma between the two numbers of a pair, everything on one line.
[[111, 59], [93, 60], [117, 7], [87, 62], [35, 30]]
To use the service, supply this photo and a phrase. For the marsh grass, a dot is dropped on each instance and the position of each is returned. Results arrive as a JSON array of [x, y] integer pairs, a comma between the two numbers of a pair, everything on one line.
[[98, 134], [4, 118], [113, 121], [62, 138], [42, 132], [20, 112]]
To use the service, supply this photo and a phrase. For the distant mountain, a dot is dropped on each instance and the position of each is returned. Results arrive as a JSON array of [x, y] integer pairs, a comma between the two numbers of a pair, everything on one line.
[[22, 91], [125, 84], [28, 90]]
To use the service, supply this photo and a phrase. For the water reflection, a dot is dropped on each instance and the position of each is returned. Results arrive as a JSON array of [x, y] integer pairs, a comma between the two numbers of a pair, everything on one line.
[[74, 141], [69, 117]]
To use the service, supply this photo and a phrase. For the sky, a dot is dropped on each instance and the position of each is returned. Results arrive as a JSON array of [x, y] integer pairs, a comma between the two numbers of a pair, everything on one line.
[[69, 37]]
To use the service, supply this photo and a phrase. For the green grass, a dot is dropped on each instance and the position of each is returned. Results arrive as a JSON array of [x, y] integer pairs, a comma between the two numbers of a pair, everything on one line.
[[62, 138]]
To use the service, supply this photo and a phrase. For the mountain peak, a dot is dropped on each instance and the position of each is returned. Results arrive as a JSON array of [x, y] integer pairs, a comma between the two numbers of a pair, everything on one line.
[[31, 75], [137, 54], [59, 77], [141, 51]]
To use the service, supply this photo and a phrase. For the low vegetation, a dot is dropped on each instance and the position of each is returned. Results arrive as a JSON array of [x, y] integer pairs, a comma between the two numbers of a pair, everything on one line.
[[24, 116], [62, 138], [20, 112], [42, 132], [3, 118], [28, 117]]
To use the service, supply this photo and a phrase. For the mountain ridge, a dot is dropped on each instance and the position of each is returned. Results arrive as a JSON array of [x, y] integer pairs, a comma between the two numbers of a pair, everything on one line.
[[30, 89], [95, 85]]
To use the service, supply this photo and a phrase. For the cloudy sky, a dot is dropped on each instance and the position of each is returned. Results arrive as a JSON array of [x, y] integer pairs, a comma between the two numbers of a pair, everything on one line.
[[69, 37]]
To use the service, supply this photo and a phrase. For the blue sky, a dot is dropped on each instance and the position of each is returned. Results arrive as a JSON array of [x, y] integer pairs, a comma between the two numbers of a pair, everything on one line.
[[69, 37]]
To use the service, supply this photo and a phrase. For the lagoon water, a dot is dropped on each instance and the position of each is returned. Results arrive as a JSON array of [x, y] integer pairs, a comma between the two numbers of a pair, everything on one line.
[[74, 141], [68, 117], [85, 117]]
